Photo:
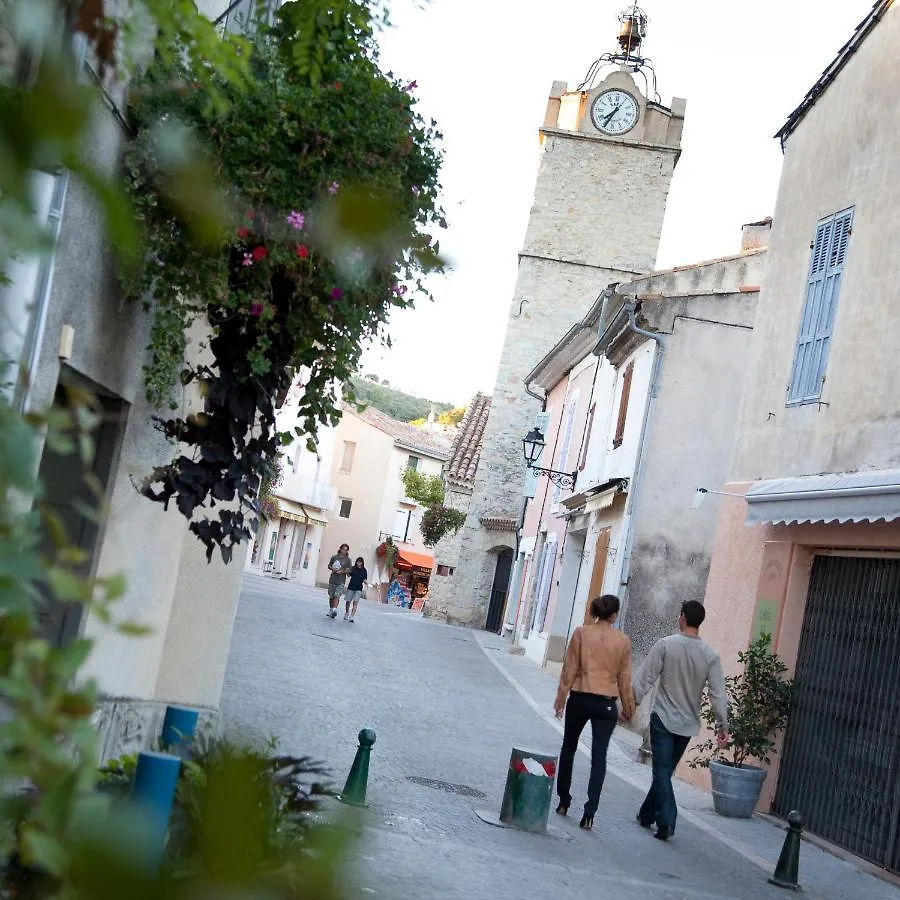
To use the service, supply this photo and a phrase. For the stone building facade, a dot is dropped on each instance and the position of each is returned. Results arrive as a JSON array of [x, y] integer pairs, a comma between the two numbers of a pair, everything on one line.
[[598, 210], [459, 480]]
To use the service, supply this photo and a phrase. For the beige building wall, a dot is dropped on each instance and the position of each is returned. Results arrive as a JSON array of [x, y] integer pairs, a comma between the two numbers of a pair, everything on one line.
[[372, 484], [363, 485], [844, 153]]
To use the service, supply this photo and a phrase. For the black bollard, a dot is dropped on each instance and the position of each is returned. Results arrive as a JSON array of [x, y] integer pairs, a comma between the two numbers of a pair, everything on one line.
[[789, 862]]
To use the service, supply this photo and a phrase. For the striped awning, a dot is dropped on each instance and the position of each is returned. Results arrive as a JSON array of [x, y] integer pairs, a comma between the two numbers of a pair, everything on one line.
[[297, 512], [858, 497]]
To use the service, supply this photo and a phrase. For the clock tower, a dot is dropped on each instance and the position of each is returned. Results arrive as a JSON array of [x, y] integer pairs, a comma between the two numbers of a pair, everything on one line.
[[608, 150]]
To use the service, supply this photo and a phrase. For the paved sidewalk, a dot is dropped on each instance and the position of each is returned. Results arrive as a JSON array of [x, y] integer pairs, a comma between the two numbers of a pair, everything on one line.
[[447, 706], [758, 840]]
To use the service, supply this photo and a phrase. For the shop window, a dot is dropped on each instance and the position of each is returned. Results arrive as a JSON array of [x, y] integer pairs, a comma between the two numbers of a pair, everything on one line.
[[344, 512]]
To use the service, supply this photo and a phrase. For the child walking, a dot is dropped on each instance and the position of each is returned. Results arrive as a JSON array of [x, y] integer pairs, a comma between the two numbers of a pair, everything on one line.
[[358, 581]]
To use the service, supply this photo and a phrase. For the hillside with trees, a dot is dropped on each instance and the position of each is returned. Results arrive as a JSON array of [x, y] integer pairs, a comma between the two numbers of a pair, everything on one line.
[[392, 402]]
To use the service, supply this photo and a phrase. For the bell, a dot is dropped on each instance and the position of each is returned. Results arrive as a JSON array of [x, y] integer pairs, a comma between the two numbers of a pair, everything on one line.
[[631, 32]]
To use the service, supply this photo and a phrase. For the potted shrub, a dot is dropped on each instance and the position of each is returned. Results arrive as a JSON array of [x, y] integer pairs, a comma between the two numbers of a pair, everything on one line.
[[759, 701]]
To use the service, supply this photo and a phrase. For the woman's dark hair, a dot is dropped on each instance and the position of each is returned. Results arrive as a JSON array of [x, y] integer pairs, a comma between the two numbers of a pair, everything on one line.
[[344, 545], [604, 607], [359, 560]]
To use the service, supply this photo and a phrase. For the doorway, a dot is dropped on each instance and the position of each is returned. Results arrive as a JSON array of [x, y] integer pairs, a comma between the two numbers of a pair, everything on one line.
[[502, 571], [69, 497]]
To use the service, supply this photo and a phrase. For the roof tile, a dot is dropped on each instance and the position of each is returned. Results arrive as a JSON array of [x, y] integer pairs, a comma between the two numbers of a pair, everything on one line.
[[466, 449], [409, 435]]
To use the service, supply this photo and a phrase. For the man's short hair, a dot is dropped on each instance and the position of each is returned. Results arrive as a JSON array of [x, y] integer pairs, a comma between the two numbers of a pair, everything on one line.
[[605, 607], [694, 613]]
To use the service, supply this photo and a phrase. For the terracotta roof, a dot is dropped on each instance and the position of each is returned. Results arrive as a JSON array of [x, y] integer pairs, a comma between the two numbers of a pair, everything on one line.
[[466, 450], [408, 436]]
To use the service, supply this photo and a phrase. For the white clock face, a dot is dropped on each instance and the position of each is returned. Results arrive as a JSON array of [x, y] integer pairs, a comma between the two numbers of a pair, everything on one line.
[[614, 112]]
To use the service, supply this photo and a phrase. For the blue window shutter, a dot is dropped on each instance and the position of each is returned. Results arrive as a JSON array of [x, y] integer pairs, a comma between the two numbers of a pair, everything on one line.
[[823, 285]]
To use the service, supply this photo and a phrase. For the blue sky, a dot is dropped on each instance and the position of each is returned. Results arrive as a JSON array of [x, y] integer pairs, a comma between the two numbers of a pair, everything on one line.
[[484, 71]]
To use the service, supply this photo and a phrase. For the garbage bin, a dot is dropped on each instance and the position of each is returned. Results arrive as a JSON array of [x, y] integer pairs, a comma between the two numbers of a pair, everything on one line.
[[529, 790]]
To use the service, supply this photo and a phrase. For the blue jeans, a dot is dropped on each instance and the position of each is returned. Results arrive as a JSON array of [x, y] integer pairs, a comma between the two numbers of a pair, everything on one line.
[[667, 748]]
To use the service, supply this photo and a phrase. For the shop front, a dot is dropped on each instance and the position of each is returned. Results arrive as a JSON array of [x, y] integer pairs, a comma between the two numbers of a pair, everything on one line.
[[406, 574]]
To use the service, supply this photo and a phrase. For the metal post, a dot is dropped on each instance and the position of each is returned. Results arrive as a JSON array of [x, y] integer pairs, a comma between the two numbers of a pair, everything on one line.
[[155, 780], [789, 861], [354, 793]]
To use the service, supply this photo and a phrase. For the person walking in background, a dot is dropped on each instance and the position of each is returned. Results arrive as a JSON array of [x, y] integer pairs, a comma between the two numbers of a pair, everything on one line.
[[684, 665], [595, 674], [339, 565], [359, 579]]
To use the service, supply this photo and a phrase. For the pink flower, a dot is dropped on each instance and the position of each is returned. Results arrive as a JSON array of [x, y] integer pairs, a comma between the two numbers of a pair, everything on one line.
[[248, 259], [334, 187], [410, 87], [398, 290], [296, 220], [256, 309], [302, 251], [336, 293], [243, 233], [260, 253]]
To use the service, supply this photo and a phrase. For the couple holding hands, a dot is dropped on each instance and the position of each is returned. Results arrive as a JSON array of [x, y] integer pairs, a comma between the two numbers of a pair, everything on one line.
[[597, 674]]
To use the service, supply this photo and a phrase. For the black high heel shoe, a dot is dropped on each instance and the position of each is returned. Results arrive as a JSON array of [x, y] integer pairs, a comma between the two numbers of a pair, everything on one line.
[[562, 809], [587, 823]]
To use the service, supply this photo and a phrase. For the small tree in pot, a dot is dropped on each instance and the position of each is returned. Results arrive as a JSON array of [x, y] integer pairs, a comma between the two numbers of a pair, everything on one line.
[[759, 701]]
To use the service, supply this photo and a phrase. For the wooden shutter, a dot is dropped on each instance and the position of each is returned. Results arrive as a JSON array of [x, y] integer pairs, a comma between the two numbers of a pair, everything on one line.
[[587, 438], [601, 552], [623, 404], [823, 285]]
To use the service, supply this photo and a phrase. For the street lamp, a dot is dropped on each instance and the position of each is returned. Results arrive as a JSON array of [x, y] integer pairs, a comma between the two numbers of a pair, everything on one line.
[[532, 448]]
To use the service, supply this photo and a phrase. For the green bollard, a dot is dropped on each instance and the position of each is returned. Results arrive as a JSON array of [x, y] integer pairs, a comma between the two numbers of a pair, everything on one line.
[[354, 793], [789, 861], [529, 791]]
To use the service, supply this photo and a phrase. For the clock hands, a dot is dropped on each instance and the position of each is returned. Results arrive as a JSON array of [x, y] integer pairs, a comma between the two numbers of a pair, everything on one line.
[[608, 119]]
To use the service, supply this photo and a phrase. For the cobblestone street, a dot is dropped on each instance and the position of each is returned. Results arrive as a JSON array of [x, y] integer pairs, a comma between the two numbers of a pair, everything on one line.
[[447, 706]]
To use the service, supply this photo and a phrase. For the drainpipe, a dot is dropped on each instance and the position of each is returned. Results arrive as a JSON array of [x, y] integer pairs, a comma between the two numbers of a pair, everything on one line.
[[636, 482], [644, 753], [48, 263]]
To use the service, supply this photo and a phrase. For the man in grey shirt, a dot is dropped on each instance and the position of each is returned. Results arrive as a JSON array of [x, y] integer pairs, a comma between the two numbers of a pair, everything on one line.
[[684, 665]]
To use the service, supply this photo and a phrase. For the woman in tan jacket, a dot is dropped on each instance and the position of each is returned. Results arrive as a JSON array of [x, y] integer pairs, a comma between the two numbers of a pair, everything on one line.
[[595, 674]]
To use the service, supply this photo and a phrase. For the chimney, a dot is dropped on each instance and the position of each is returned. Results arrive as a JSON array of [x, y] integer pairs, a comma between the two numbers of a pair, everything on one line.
[[755, 235]]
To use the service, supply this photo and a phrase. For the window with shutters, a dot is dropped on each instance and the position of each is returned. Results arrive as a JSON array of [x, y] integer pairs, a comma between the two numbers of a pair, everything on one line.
[[587, 438], [823, 287], [562, 463], [347, 456], [624, 397]]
